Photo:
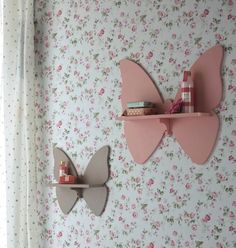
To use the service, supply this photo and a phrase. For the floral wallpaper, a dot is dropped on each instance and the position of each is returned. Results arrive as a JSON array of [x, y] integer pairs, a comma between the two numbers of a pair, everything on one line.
[[169, 201]]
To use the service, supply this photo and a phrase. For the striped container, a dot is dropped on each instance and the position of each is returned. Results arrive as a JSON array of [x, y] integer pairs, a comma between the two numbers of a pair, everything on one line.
[[187, 93]]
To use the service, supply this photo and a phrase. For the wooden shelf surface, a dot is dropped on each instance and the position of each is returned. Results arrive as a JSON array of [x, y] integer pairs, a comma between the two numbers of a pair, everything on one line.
[[162, 116], [81, 186]]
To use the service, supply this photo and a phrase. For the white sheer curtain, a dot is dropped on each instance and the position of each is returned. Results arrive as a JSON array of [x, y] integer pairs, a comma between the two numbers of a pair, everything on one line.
[[19, 123], [3, 221]]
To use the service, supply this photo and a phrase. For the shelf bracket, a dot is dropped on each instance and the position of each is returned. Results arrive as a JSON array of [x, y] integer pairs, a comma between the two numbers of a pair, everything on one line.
[[167, 123]]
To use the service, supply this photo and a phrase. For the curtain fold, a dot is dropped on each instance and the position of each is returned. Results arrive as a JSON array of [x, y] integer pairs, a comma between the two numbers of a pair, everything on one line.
[[19, 122], [3, 226]]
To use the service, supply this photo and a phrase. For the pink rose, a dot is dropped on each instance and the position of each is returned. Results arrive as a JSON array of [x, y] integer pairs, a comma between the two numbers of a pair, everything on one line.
[[151, 245], [59, 124], [219, 37], [101, 92], [231, 143], [172, 178], [134, 28], [87, 66], [59, 12], [206, 218], [233, 132], [59, 68], [101, 32], [174, 167], [150, 55], [150, 182], [187, 243], [219, 245], [231, 228], [230, 2], [88, 240], [206, 12], [135, 214], [49, 14], [231, 215], [172, 190], [194, 227], [177, 2], [187, 52], [188, 186], [231, 158]]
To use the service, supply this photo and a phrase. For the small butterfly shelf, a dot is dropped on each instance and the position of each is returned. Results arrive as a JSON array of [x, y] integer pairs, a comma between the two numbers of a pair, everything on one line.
[[196, 132], [91, 186]]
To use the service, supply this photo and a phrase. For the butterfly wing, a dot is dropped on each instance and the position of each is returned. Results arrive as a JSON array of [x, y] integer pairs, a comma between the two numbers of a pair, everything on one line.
[[142, 136], [96, 199], [197, 135], [206, 75], [138, 86], [60, 155], [97, 172], [66, 197]]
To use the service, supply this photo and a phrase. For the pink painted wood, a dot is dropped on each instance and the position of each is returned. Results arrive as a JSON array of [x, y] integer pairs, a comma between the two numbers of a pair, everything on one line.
[[137, 85], [196, 134], [144, 136], [161, 116], [207, 80]]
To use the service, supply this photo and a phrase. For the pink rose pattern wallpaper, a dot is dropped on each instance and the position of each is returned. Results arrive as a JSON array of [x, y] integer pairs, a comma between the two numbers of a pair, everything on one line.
[[169, 201]]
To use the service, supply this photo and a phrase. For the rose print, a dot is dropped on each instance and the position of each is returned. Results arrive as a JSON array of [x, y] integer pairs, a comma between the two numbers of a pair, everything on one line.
[[59, 12], [59, 124], [206, 218], [151, 245], [78, 47], [59, 68]]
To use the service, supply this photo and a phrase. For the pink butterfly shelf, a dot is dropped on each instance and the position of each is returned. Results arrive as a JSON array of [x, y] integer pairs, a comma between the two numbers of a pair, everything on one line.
[[196, 132]]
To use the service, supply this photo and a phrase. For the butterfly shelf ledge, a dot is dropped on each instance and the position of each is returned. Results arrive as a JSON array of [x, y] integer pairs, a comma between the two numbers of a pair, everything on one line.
[[161, 116], [71, 186], [195, 132], [91, 186]]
